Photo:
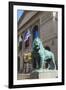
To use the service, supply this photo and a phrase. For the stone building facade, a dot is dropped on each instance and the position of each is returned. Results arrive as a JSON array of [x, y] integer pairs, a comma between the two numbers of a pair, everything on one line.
[[47, 23]]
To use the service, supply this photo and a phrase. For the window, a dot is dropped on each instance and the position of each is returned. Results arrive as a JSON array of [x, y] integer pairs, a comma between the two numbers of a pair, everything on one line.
[[35, 32]]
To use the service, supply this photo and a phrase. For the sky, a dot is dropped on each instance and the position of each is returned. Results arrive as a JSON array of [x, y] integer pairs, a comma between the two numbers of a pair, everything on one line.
[[19, 14]]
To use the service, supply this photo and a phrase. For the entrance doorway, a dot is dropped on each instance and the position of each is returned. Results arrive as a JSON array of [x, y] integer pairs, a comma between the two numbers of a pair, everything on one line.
[[18, 64]]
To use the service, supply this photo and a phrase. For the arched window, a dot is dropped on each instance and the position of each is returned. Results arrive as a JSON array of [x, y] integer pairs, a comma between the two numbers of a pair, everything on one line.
[[35, 32]]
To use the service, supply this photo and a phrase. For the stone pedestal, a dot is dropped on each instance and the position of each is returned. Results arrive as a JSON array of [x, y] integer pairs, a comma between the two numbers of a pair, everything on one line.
[[44, 74], [48, 74]]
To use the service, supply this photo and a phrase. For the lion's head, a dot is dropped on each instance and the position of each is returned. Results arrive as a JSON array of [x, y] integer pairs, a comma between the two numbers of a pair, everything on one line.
[[36, 45]]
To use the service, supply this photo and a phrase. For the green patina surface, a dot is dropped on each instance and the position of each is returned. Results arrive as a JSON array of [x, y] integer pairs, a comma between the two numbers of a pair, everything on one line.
[[42, 53]]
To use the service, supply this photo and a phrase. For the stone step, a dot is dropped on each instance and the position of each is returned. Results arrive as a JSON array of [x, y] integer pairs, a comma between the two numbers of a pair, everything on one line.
[[23, 76]]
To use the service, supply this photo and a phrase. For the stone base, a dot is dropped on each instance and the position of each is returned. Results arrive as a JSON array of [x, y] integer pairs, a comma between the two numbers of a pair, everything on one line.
[[43, 74], [48, 74]]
